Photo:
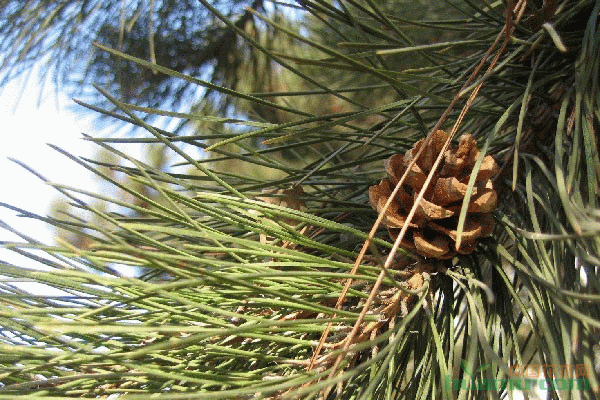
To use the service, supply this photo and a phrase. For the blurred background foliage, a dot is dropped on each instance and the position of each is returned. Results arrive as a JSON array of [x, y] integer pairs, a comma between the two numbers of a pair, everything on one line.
[[232, 289], [181, 35]]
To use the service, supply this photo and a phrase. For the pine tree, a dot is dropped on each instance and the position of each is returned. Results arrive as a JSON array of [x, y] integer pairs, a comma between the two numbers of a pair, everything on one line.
[[439, 238]]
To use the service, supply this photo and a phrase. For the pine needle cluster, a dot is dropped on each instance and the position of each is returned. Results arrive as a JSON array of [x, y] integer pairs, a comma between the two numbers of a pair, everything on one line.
[[283, 283]]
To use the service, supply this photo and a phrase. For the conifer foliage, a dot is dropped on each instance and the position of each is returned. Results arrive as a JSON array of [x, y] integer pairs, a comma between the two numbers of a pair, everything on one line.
[[437, 228]]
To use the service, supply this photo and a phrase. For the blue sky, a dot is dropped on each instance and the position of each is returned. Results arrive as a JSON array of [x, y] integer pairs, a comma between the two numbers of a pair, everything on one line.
[[28, 123]]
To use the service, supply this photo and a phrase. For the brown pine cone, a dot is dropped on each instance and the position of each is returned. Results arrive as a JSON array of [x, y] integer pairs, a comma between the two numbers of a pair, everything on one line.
[[432, 231]]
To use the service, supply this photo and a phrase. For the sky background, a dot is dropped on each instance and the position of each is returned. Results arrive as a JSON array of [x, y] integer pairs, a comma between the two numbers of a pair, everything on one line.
[[29, 122]]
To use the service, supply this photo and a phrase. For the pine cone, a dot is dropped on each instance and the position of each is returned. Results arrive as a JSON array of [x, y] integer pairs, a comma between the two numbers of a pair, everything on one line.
[[432, 231], [290, 198]]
